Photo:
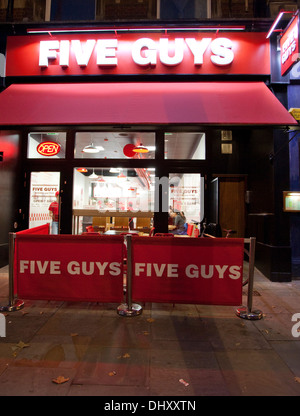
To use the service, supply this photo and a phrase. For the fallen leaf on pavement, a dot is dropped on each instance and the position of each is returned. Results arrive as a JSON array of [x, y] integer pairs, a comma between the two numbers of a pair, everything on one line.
[[22, 344], [60, 380]]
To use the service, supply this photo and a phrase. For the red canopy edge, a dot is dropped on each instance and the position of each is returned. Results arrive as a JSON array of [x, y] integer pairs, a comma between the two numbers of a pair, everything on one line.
[[138, 103]]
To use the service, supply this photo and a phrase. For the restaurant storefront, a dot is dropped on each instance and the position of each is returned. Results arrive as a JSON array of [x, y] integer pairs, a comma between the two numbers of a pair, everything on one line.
[[128, 123]]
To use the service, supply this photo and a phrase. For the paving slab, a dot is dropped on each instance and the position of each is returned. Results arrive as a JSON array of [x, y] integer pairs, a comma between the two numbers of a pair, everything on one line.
[[168, 350]]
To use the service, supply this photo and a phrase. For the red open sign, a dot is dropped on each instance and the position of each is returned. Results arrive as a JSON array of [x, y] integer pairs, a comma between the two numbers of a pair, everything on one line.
[[48, 148]]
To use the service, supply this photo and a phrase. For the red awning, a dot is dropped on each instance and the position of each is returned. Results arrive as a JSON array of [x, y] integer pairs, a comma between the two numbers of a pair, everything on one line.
[[205, 103]]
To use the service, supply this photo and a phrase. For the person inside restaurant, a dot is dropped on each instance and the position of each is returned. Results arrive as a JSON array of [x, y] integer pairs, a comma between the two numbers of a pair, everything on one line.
[[179, 222]]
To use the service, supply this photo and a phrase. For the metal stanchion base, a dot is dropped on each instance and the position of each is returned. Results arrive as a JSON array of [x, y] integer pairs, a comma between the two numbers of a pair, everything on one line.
[[18, 304], [124, 310], [244, 313]]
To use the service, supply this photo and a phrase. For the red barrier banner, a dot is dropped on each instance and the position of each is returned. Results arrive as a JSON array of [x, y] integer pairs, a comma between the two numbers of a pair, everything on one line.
[[69, 268], [184, 270], [41, 229]]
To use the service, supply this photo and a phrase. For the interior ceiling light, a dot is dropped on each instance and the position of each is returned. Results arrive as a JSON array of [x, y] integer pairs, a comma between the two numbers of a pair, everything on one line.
[[115, 170], [92, 149], [82, 170], [93, 175], [140, 149]]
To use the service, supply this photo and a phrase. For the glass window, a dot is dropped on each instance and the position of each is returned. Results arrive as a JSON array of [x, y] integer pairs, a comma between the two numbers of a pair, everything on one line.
[[43, 189], [186, 194], [116, 195], [126, 9], [51, 145], [185, 146], [114, 145]]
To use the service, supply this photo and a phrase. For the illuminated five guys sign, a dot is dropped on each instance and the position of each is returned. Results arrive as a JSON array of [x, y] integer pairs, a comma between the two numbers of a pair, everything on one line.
[[289, 46], [133, 53]]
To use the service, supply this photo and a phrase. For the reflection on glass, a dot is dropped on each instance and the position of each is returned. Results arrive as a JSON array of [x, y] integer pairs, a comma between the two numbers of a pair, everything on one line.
[[186, 194], [114, 145], [185, 145], [115, 194]]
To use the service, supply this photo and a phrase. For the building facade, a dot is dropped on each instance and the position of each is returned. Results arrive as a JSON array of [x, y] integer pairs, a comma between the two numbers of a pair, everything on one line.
[[207, 100]]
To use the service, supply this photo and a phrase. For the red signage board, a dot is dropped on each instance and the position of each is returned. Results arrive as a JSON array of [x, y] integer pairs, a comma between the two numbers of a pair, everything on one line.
[[69, 268], [187, 270], [289, 46], [136, 53]]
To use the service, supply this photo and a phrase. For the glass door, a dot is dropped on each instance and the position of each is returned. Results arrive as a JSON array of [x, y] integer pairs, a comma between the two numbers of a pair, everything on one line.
[[186, 202], [44, 200]]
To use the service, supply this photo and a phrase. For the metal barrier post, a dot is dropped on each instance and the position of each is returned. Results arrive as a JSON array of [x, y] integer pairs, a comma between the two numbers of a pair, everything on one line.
[[13, 304], [246, 312], [129, 308]]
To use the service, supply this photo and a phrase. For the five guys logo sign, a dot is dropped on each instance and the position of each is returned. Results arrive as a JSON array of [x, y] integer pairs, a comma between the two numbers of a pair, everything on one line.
[[134, 53], [144, 51], [289, 46]]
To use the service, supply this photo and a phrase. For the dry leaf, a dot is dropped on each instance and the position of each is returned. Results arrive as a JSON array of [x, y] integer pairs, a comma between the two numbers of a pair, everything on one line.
[[74, 334], [112, 373], [150, 320], [126, 355], [297, 379], [22, 344], [60, 380]]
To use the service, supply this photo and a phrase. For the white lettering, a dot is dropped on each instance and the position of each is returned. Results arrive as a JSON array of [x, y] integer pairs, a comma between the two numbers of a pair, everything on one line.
[[23, 265], [87, 271], [222, 50], [139, 268], [83, 52], [172, 270], [48, 50], [101, 267], [144, 52], [73, 267], [178, 52], [41, 267], [210, 272], [192, 271], [198, 48], [159, 270], [234, 272], [221, 270], [115, 269], [64, 53], [106, 52]]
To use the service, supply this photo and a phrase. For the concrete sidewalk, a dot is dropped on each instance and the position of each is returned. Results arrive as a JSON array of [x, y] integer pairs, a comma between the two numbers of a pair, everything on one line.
[[154, 354]]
